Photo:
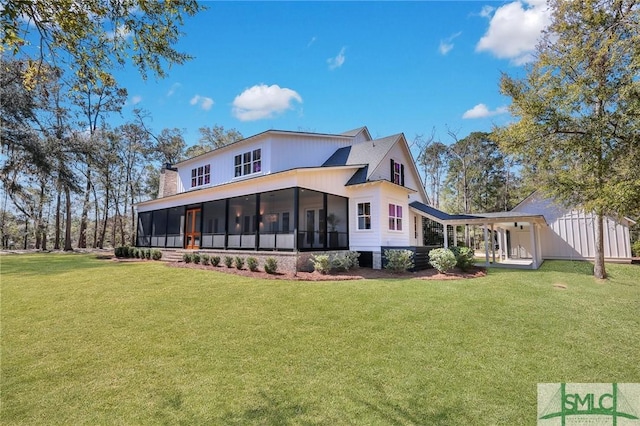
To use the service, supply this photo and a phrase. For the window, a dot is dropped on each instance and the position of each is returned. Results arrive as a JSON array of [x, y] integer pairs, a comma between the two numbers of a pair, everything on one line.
[[364, 215], [201, 176], [248, 163], [395, 217], [397, 173]]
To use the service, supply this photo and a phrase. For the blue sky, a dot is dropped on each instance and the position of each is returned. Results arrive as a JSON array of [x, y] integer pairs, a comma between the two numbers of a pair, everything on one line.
[[334, 66]]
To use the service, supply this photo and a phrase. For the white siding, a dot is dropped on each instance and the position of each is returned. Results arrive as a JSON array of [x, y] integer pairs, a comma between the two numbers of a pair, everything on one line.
[[295, 151], [571, 233], [369, 239], [392, 237]]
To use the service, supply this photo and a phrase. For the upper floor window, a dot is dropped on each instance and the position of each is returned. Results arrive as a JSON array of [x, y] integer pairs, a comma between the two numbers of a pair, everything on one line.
[[397, 173], [364, 215], [201, 176], [395, 217], [248, 163]]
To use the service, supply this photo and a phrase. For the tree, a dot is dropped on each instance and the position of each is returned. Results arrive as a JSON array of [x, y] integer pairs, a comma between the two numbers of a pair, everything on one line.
[[579, 110], [212, 138], [98, 34]]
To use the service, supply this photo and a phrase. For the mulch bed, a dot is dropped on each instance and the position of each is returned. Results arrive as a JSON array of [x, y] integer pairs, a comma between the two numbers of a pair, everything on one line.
[[355, 274]]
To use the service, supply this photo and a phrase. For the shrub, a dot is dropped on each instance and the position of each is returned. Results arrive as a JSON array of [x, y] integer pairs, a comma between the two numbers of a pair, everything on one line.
[[137, 253], [147, 254], [131, 251], [215, 260], [252, 263], [156, 254], [442, 259], [196, 257], [239, 261], [270, 265], [345, 261], [321, 263], [120, 251], [228, 261], [204, 259], [398, 260], [636, 248], [464, 258], [187, 258]]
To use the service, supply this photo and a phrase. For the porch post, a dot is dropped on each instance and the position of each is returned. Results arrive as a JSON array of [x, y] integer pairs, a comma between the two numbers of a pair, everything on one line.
[[226, 223], [486, 244], [534, 249], [296, 206], [505, 245], [493, 245], [455, 236], [446, 236], [257, 225]]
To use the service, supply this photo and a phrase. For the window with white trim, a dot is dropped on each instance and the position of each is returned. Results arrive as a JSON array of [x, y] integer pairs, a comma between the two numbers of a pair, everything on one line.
[[364, 215], [248, 163], [395, 217], [201, 176]]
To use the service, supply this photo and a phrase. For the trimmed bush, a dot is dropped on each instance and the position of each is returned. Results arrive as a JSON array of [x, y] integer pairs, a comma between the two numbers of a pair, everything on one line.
[[147, 254], [215, 260], [239, 261], [464, 258], [635, 248], [138, 253], [131, 251], [187, 258], [204, 259], [345, 261], [252, 263], [270, 265], [321, 263], [399, 260], [442, 259], [156, 254], [196, 257], [228, 261], [120, 251]]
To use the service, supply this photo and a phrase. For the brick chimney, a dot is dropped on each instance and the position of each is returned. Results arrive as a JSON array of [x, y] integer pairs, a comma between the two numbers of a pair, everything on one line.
[[168, 181]]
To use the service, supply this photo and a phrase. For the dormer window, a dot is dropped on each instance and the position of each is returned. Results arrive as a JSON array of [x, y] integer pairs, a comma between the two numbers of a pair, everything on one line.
[[248, 163], [397, 173], [201, 176]]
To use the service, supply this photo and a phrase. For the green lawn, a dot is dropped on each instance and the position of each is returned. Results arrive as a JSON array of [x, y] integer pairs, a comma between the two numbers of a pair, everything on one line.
[[88, 341]]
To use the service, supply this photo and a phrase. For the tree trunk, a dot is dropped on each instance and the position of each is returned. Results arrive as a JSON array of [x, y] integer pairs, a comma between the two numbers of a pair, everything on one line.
[[105, 218], [598, 267], [82, 239], [56, 243], [67, 231]]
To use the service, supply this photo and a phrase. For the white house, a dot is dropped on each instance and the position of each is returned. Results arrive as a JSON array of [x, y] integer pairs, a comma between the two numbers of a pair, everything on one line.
[[291, 192]]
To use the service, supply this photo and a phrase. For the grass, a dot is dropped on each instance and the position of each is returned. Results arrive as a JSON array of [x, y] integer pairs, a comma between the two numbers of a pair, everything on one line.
[[87, 341]]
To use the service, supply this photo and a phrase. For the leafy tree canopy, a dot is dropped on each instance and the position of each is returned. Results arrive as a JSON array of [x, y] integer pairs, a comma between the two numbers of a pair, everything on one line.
[[94, 35]]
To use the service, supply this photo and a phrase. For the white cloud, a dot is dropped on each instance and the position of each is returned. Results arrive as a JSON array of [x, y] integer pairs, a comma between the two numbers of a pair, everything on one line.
[[338, 60], [135, 99], [262, 101], [515, 29], [447, 44], [481, 111], [313, 40], [204, 102], [121, 32], [174, 87], [486, 11]]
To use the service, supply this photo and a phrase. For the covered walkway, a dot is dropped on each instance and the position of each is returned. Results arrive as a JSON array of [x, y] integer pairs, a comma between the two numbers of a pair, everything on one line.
[[510, 239]]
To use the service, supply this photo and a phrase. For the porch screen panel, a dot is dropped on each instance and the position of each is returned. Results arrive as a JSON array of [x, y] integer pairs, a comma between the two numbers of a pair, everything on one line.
[[175, 227], [144, 229], [213, 220], [159, 228], [337, 215], [242, 222], [275, 226], [312, 227]]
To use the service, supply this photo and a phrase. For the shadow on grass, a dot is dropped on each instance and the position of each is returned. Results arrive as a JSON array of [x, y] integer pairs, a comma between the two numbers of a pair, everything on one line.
[[579, 267], [271, 411], [47, 264]]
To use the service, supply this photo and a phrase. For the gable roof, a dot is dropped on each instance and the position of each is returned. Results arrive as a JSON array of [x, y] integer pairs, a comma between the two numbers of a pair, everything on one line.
[[369, 153], [356, 132]]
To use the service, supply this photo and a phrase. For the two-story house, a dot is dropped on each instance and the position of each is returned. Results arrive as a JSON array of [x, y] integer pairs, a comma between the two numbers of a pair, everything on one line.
[[290, 191]]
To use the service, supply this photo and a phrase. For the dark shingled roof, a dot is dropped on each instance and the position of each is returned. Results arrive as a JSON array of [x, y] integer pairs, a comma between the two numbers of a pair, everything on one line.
[[439, 214]]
